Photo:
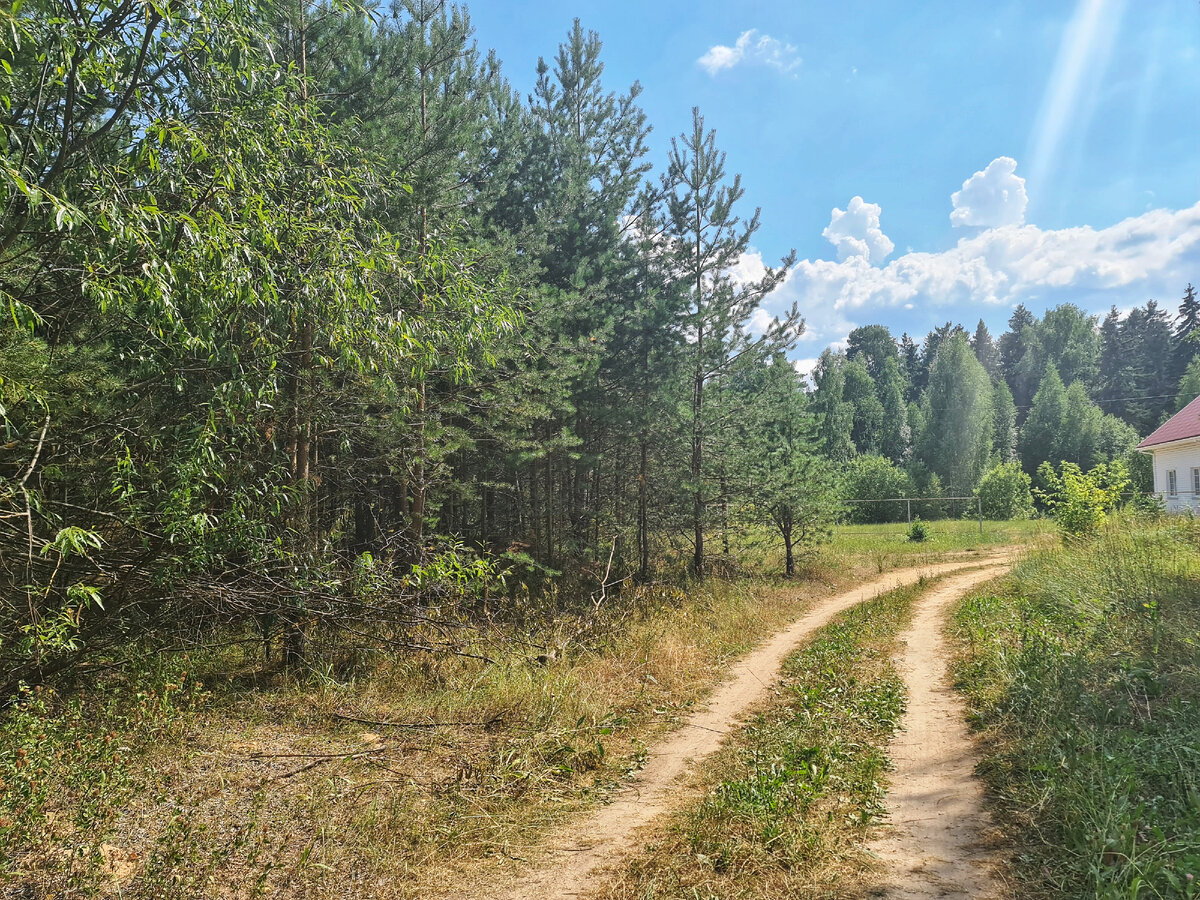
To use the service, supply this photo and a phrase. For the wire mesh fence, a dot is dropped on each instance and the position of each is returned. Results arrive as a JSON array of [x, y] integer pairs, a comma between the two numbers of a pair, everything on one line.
[[901, 511]]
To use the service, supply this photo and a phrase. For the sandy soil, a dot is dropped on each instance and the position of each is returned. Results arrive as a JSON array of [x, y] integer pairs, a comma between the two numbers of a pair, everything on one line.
[[572, 864], [935, 845]]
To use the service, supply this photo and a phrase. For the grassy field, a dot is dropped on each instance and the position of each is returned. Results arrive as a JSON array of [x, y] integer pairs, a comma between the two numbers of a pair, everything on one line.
[[1083, 674], [202, 774], [795, 792]]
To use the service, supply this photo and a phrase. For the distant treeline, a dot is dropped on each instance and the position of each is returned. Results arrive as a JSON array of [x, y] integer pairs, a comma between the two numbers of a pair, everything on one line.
[[1065, 387]]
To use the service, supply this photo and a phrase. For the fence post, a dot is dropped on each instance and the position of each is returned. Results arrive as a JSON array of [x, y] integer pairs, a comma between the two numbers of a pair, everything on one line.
[[908, 503], [979, 500]]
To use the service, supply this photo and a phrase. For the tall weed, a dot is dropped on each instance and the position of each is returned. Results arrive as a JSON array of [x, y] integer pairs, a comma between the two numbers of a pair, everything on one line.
[[1085, 672]]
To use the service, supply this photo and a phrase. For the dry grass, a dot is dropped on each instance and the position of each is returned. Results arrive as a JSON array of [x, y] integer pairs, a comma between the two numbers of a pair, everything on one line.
[[394, 779]]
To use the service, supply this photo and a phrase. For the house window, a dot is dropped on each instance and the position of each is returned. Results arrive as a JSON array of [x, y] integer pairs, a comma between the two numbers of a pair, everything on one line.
[[1172, 485], [1196, 482]]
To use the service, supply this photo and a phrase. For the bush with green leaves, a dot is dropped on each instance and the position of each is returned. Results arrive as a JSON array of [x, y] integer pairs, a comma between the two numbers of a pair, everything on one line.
[[871, 485], [1081, 501], [1004, 492]]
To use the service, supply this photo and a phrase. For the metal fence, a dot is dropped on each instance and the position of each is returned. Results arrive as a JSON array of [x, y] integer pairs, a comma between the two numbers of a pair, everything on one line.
[[905, 508]]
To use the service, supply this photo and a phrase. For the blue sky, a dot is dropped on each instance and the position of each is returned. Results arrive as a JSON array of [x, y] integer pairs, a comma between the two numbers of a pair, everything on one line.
[[1070, 132]]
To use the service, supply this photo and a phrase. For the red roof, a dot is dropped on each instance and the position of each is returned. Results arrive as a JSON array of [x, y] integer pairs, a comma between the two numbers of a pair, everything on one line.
[[1184, 424]]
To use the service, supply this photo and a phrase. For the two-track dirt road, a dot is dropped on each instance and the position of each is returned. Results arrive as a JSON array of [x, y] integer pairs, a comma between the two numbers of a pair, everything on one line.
[[572, 864]]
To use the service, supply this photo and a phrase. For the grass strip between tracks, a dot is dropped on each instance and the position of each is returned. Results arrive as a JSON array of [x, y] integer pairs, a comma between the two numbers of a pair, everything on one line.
[[796, 791]]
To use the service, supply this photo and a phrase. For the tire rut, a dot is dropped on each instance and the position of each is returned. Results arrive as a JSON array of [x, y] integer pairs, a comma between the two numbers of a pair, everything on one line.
[[935, 845], [572, 866]]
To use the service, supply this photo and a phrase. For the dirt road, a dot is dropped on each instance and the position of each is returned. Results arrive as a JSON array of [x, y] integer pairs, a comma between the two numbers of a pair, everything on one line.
[[934, 845], [607, 835]]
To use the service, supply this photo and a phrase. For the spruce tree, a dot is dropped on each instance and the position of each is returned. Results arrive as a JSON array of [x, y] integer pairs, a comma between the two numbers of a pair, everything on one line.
[[1186, 334], [910, 362], [1040, 434], [834, 414], [1012, 346], [1113, 378], [985, 350], [1148, 343], [1004, 435], [896, 437]]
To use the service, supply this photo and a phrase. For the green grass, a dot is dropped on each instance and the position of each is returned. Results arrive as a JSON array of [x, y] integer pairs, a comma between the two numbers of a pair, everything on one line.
[[887, 546], [873, 549], [1084, 674], [798, 788]]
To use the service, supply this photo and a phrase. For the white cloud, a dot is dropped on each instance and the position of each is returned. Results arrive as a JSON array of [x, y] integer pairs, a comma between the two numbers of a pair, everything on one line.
[[804, 367], [855, 231], [750, 268], [991, 198], [751, 47], [1151, 255], [760, 321]]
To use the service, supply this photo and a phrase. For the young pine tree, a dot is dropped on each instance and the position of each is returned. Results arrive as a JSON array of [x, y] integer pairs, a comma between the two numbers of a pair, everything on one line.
[[707, 239]]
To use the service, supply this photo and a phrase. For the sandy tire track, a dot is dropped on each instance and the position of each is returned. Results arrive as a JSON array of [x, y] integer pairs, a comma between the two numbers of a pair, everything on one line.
[[935, 845], [572, 864]]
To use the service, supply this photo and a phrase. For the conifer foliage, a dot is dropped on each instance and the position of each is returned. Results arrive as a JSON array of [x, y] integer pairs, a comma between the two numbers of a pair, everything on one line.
[[309, 318]]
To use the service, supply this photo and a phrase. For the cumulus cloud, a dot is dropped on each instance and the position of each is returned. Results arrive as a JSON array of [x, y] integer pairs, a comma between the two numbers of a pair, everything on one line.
[[855, 232], [751, 47], [1151, 255], [991, 198]]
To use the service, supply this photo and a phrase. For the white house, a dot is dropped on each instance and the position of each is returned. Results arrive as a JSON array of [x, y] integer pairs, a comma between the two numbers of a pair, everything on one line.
[[1175, 446]]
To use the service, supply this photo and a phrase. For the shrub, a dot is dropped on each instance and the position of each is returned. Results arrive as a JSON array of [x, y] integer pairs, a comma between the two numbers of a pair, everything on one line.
[[875, 479], [918, 531], [1004, 492], [1081, 501]]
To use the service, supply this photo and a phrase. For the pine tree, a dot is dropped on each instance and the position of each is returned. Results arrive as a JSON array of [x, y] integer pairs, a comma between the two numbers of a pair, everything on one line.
[[789, 486], [707, 239]]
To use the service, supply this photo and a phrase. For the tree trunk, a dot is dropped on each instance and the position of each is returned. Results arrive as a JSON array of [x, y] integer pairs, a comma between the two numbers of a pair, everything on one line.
[[789, 566], [643, 513], [697, 470]]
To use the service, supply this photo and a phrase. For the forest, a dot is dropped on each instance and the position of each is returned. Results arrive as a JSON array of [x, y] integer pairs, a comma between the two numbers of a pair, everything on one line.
[[311, 319]]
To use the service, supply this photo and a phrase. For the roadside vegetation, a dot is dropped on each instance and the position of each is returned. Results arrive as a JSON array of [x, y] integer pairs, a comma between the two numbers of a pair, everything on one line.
[[1083, 674], [789, 802], [185, 773]]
